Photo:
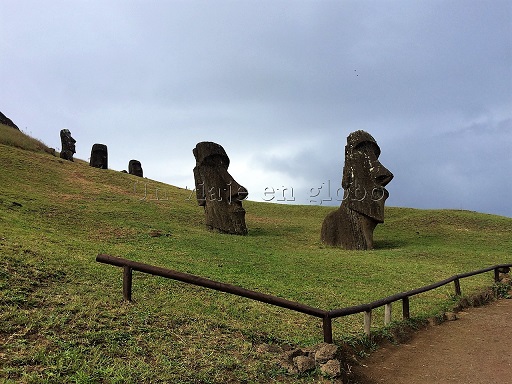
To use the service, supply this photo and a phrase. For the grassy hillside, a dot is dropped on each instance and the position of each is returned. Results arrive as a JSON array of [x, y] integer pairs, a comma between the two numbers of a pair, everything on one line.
[[62, 318], [15, 138]]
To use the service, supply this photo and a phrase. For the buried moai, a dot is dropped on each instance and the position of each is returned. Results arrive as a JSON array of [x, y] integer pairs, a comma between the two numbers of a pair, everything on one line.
[[135, 168], [217, 191], [99, 156], [67, 144], [364, 178]]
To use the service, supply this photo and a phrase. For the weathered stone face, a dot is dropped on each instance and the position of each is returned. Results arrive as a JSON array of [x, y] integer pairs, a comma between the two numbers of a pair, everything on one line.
[[364, 177], [217, 191], [99, 156], [67, 144], [362, 208], [135, 168]]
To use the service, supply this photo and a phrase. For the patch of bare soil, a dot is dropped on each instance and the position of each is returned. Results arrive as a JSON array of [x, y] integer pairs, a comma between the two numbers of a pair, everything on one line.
[[474, 349]]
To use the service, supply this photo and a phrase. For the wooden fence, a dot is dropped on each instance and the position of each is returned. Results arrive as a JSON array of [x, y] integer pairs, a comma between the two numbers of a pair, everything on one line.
[[326, 316]]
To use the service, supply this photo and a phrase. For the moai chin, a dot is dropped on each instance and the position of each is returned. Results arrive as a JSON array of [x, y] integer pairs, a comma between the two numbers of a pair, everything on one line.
[[364, 178], [99, 156], [217, 191], [135, 168], [67, 144]]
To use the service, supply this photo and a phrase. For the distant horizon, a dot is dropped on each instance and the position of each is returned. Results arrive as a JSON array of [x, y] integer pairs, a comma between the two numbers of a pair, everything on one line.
[[283, 195]]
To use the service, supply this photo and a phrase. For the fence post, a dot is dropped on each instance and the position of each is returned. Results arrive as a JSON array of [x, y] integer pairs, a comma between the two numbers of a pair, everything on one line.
[[456, 282], [327, 326], [387, 313], [496, 275], [367, 322], [127, 283], [405, 308]]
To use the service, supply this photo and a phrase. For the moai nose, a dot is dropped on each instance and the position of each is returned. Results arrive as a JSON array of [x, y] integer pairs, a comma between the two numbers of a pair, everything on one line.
[[382, 175], [238, 192]]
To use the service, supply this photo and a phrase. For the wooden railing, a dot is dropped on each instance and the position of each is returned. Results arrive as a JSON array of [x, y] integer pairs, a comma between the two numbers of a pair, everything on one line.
[[326, 316]]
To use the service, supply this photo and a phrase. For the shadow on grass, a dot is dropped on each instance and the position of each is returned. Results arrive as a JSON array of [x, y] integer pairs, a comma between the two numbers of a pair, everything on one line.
[[279, 232], [388, 244]]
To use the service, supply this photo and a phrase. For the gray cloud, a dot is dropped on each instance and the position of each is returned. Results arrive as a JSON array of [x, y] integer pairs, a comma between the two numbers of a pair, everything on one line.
[[280, 84]]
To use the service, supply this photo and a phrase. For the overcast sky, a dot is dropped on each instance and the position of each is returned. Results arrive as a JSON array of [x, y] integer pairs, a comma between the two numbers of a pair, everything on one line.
[[280, 85]]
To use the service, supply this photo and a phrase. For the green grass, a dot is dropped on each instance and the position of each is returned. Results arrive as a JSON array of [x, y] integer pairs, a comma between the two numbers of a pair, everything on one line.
[[62, 317], [15, 138]]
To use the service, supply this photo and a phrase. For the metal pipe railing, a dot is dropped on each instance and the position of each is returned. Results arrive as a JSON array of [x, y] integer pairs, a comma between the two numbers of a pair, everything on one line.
[[326, 316]]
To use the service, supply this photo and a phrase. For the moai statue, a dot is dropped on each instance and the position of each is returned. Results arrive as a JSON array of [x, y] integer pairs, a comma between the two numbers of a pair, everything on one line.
[[67, 144], [364, 178], [99, 156], [217, 191], [135, 168]]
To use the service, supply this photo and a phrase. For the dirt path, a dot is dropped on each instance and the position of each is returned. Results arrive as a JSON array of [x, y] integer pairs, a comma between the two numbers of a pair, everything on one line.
[[474, 349]]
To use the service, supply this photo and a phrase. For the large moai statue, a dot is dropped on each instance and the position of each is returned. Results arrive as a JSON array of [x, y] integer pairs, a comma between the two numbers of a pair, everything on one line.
[[217, 191], [362, 208], [99, 156], [67, 145], [135, 168]]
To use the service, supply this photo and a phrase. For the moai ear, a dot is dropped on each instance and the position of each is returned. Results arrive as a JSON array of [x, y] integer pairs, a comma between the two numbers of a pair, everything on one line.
[[347, 179]]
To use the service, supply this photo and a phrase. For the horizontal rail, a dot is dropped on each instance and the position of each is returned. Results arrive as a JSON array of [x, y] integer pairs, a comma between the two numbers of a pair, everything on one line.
[[402, 295], [201, 281], [327, 316]]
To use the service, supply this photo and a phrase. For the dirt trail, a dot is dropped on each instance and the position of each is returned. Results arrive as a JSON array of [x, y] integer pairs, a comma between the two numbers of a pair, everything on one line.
[[474, 349]]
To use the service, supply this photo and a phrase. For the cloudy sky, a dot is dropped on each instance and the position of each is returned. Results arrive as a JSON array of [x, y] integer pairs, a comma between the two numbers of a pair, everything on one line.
[[280, 85]]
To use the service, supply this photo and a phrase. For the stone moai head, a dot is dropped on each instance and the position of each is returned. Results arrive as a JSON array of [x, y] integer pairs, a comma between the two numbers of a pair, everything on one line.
[[364, 177], [362, 208], [99, 156], [135, 168], [217, 191], [67, 144]]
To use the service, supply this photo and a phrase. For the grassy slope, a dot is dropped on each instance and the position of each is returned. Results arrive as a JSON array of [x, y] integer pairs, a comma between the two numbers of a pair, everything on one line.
[[62, 318]]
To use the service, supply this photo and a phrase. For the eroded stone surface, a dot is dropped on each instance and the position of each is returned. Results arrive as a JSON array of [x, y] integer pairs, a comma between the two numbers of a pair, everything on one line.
[[364, 178], [325, 353], [217, 191], [326, 357], [67, 145], [99, 156], [331, 368], [135, 168], [304, 363]]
